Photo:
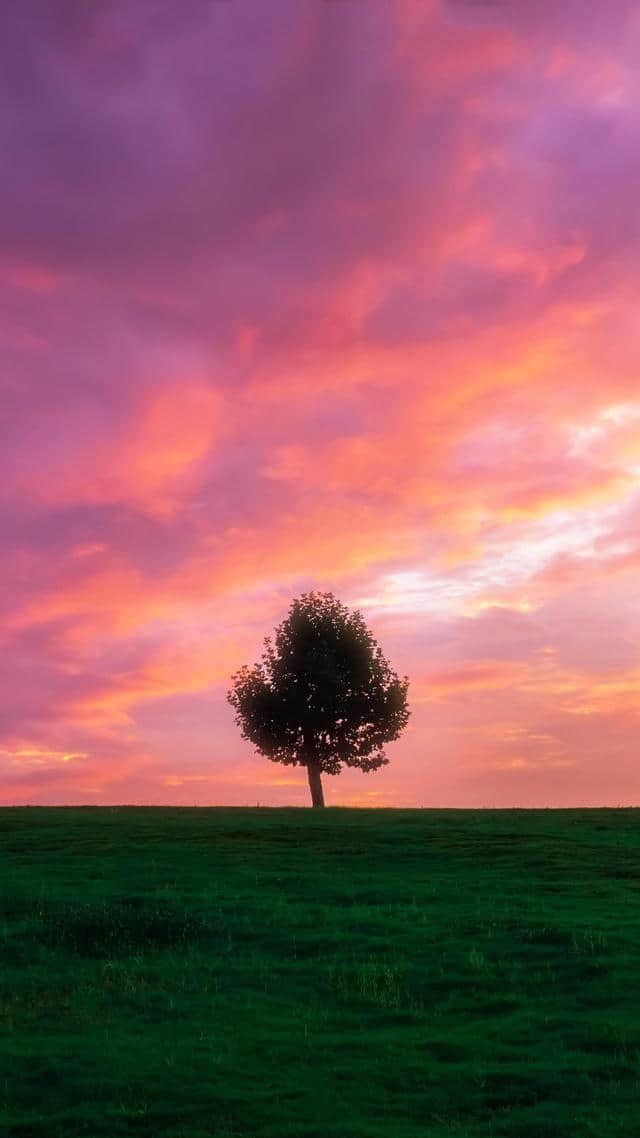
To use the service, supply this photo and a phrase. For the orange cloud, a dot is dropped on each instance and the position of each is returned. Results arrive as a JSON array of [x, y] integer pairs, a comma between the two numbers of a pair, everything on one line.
[[477, 675], [168, 671], [150, 463]]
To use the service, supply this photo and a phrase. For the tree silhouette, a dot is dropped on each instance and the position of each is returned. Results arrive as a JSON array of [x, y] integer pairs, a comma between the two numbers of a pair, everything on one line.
[[324, 695]]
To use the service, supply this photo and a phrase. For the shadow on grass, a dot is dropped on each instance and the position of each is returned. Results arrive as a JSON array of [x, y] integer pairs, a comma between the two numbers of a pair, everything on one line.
[[117, 927]]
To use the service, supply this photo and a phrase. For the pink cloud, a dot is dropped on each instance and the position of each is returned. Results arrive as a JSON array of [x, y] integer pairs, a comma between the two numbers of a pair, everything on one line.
[[337, 296]]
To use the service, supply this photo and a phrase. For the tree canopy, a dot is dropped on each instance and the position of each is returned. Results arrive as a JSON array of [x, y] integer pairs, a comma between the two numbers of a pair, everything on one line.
[[323, 694]]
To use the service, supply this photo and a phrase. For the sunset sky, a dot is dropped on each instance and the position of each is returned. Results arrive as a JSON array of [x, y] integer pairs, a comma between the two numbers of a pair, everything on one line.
[[320, 294]]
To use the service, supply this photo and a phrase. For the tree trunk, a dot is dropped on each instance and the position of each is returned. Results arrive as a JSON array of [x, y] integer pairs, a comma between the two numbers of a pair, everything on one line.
[[315, 785]]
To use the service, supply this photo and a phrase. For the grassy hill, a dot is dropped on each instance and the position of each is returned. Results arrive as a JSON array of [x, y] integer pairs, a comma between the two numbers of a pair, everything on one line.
[[289, 973]]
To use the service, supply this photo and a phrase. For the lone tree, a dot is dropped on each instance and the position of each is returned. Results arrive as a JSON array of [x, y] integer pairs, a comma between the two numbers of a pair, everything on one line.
[[324, 695]]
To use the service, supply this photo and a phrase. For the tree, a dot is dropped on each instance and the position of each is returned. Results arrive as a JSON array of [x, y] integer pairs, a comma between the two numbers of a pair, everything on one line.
[[324, 695]]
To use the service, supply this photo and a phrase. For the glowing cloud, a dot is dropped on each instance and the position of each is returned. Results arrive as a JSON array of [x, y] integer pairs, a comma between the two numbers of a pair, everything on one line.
[[324, 295]]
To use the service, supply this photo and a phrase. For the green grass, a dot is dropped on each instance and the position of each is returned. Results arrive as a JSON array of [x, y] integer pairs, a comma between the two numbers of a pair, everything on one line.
[[290, 973]]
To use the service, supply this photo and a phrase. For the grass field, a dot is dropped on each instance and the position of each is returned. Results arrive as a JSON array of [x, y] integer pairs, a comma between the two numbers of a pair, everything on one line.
[[290, 973]]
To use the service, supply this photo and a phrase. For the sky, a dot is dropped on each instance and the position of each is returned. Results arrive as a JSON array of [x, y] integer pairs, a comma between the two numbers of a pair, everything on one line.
[[335, 295]]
